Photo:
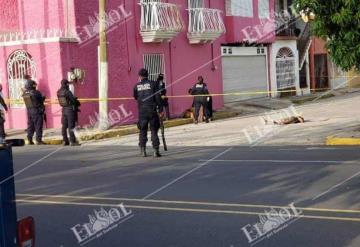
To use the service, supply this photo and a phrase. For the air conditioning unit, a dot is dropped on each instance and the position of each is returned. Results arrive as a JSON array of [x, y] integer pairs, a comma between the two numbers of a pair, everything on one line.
[[243, 51]]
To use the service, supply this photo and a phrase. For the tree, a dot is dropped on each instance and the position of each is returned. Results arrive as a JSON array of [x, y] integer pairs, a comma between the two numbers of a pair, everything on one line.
[[337, 22]]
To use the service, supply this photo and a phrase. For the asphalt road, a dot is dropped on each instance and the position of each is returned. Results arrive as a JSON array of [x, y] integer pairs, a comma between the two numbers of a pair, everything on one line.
[[194, 196]]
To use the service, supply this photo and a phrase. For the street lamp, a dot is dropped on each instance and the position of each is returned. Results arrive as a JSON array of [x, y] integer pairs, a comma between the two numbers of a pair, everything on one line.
[[307, 15]]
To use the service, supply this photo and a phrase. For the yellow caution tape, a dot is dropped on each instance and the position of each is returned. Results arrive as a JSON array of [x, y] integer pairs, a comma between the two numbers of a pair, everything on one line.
[[91, 100]]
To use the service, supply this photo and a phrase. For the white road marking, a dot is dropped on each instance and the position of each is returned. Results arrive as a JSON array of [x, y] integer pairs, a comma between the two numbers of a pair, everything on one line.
[[337, 185], [187, 173], [31, 165], [287, 161]]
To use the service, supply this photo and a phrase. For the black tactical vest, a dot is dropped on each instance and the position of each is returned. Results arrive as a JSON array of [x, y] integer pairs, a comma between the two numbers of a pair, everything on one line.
[[63, 101], [30, 100]]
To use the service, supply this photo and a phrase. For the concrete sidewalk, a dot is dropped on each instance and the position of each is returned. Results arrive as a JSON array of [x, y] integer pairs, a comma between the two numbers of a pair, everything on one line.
[[265, 104], [247, 109], [342, 137], [53, 136]]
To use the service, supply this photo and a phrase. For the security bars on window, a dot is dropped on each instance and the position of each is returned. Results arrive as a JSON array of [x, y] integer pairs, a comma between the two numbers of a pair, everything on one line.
[[154, 63]]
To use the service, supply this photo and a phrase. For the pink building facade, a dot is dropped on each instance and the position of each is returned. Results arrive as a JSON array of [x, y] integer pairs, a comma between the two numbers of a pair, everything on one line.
[[180, 38]]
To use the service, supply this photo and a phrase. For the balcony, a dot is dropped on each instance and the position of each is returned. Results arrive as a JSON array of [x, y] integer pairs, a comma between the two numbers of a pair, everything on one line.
[[297, 30], [159, 21], [290, 26], [205, 25]]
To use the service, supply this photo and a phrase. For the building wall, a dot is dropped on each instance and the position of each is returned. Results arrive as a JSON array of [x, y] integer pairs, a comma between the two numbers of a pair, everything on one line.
[[48, 71], [354, 77], [319, 46], [337, 77], [184, 62], [9, 15], [254, 29], [33, 15]]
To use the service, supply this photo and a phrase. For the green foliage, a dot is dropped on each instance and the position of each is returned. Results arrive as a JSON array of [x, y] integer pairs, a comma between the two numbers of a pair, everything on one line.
[[338, 22]]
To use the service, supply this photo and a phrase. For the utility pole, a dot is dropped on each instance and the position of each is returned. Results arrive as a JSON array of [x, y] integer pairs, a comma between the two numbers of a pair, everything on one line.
[[103, 68]]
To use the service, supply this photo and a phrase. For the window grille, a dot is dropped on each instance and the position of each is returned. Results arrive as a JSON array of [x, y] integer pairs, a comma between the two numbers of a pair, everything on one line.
[[19, 64], [193, 4], [154, 63]]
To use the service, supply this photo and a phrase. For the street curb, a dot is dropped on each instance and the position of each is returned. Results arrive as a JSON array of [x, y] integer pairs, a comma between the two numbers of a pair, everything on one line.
[[53, 142], [134, 130], [302, 101], [338, 141]]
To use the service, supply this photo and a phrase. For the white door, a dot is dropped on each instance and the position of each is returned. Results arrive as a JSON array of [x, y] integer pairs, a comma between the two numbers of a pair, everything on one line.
[[285, 69], [20, 64], [245, 75]]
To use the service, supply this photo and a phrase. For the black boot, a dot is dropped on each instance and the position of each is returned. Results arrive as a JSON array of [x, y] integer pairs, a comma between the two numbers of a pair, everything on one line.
[[143, 151], [157, 153]]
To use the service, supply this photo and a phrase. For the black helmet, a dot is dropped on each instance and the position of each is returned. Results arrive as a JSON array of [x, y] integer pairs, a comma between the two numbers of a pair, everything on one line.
[[144, 73], [160, 77], [64, 82], [30, 84]]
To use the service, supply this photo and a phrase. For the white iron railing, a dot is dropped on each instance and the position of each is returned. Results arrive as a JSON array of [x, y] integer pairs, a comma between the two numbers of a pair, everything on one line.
[[203, 20], [39, 34], [159, 16]]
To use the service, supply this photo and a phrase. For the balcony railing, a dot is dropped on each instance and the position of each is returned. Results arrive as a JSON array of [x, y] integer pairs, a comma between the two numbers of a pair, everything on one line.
[[304, 44], [299, 30], [159, 21], [205, 25]]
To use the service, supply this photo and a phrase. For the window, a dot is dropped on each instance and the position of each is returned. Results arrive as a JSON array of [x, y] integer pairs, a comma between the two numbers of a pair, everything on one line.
[[264, 8], [243, 8], [154, 63], [19, 65], [193, 4]]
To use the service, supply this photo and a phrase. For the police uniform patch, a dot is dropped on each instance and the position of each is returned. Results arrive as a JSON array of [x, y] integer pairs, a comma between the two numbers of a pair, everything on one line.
[[143, 87]]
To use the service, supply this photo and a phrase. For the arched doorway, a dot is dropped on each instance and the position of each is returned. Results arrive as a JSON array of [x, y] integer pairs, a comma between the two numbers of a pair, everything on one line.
[[20, 64], [285, 69]]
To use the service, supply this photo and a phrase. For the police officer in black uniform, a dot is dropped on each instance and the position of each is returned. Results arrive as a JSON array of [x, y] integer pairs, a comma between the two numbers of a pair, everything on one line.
[[70, 106], [165, 101], [150, 108], [200, 88], [34, 102]]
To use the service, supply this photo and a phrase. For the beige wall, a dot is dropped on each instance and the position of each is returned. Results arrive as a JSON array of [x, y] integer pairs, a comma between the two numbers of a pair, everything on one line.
[[356, 81]]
